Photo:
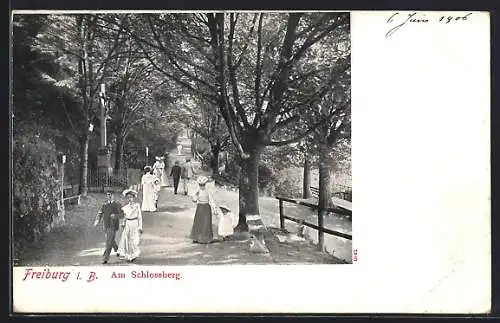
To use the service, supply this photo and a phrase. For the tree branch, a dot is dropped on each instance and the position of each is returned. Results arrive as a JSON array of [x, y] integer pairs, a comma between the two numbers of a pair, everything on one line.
[[216, 26], [297, 138], [244, 49], [258, 74], [208, 97], [172, 59], [283, 69], [232, 76], [312, 39]]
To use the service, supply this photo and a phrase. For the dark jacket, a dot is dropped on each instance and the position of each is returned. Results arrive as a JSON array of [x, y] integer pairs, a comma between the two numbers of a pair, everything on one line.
[[176, 171], [105, 214]]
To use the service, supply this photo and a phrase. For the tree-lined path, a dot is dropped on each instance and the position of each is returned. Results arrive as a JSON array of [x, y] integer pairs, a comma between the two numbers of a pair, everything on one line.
[[265, 95], [165, 240]]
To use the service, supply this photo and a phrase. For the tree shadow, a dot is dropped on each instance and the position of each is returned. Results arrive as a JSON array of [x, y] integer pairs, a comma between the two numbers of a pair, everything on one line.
[[172, 209]]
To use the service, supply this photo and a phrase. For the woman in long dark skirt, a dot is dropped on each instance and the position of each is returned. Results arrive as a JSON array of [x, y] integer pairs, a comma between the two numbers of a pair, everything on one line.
[[202, 225]]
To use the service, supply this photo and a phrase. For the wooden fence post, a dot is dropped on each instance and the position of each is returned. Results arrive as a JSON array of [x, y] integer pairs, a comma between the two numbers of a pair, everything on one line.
[[282, 219], [63, 162]]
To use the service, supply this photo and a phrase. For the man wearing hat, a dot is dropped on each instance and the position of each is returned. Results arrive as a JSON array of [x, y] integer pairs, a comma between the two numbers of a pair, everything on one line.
[[187, 174], [110, 215], [176, 175]]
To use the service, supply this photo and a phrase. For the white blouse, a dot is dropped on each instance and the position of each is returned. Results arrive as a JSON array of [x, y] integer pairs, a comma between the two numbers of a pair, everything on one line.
[[133, 212], [159, 165], [147, 179], [206, 197]]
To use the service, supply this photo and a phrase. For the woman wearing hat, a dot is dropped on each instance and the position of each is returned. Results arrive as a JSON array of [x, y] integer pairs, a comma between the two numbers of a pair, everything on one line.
[[129, 242], [148, 190], [201, 231], [158, 170]]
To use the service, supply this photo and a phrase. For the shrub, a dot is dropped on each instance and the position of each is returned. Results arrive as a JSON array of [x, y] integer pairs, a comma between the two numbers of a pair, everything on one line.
[[266, 180], [35, 189], [289, 182], [205, 161]]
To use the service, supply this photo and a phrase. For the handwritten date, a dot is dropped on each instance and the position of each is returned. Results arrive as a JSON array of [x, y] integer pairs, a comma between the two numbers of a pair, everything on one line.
[[398, 20]]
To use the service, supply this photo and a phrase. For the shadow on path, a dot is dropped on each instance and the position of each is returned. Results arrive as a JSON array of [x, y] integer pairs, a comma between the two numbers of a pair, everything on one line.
[[165, 240]]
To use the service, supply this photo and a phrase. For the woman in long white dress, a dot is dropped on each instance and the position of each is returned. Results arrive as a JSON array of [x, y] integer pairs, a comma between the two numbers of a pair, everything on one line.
[[148, 190], [132, 222], [159, 170]]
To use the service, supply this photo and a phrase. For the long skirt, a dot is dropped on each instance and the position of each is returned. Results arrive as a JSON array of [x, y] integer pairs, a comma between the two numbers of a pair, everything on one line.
[[163, 179], [129, 241], [202, 225], [148, 198]]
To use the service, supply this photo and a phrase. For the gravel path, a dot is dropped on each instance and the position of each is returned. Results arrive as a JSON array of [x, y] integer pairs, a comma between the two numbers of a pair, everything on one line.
[[164, 241], [165, 238]]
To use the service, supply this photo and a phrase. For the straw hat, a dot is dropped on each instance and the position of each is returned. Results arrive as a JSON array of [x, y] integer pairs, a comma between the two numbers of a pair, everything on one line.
[[202, 180], [129, 191], [224, 208]]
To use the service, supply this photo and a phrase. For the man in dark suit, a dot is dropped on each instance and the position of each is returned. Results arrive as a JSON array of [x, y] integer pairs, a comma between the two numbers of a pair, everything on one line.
[[110, 215], [176, 175]]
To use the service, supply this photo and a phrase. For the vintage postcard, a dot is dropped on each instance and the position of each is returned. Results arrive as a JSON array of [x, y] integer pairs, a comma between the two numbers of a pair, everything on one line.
[[206, 162]]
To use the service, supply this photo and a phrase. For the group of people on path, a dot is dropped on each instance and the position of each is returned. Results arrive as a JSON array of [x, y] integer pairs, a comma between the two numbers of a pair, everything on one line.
[[112, 215], [185, 172], [153, 180]]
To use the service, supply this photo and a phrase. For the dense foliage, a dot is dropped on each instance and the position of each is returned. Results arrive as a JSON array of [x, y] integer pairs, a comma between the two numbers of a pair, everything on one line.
[[35, 189]]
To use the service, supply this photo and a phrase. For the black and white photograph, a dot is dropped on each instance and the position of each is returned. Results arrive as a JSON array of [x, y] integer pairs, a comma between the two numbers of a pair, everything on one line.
[[181, 138]]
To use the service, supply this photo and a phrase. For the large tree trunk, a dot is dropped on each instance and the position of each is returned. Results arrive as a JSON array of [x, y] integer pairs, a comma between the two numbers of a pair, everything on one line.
[[119, 152], [214, 159], [306, 182], [84, 163], [248, 189], [325, 174]]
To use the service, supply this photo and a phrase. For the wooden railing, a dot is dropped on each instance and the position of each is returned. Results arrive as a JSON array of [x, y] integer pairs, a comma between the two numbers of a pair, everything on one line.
[[344, 192], [71, 195], [320, 226]]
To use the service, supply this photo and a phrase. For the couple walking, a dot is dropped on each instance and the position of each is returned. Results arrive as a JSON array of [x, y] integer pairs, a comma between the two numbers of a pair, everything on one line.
[[186, 173], [113, 215]]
